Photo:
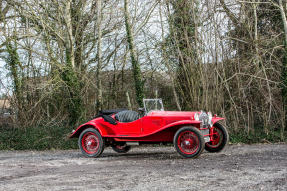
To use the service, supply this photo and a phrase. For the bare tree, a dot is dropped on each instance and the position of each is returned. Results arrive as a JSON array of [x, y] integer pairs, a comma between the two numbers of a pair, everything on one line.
[[99, 56], [135, 64]]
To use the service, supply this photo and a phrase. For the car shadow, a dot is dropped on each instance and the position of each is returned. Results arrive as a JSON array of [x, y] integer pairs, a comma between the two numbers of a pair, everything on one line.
[[166, 154], [142, 156]]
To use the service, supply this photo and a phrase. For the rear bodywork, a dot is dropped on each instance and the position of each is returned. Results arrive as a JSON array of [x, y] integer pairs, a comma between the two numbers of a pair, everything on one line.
[[156, 126]]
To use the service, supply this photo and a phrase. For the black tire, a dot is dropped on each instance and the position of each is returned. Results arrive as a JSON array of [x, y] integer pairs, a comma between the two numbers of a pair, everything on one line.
[[91, 143], [223, 139], [121, 148], [191, 136]]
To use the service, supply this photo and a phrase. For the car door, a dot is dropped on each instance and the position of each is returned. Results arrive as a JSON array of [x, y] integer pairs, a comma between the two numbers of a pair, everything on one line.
[[129, 129], [151, 124]]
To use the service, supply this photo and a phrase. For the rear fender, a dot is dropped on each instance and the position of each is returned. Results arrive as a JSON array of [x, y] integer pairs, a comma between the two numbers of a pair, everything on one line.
[[90, 124]]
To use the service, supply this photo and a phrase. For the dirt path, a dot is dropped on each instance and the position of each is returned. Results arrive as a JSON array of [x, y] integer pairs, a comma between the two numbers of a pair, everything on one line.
[[240, 167]]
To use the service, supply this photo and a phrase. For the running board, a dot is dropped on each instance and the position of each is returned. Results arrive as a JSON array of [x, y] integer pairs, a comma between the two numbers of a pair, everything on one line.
[[132, 143]]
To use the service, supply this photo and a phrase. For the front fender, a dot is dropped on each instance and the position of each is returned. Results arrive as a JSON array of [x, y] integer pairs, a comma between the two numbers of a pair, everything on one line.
[[183, 122], [216, 119]]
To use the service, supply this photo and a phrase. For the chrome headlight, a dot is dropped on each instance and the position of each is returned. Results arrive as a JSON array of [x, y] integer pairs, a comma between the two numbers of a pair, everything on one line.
[[209, 118], [196, 117], [203, 117]]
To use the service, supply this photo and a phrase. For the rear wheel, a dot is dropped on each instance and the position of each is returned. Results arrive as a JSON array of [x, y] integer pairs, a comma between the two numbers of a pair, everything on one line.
[[91, 143], [189, 142], [220, 138], [121, 148]]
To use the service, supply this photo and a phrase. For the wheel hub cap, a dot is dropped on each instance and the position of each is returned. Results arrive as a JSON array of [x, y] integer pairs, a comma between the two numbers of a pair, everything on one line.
[[187, 143]]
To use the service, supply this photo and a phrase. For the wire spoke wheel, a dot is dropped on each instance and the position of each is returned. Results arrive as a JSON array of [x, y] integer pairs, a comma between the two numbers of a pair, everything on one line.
[[189, 142], [121, 148], [91, 143], [219, 137]]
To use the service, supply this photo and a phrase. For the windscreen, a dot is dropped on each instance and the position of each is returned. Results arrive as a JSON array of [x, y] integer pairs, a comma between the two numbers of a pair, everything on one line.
[[153, 105]]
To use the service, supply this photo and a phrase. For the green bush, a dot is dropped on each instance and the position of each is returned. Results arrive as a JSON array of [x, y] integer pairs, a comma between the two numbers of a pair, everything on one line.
[[258, 136], [40, 138], [55, 137]]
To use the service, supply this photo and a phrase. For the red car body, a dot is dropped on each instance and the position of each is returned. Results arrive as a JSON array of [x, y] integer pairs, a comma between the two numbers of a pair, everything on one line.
[[156, 126], [190, 132]]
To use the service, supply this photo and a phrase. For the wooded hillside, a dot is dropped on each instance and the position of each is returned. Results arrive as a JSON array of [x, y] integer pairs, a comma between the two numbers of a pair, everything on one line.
[[62, 61]]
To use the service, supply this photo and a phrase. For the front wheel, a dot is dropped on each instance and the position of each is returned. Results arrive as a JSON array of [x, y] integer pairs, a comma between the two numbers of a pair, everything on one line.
[[219, 138], [189, 142], [91, 143]]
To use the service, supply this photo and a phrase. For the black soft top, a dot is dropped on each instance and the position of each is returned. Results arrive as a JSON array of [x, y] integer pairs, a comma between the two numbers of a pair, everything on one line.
[[106, 115], [111, 111]]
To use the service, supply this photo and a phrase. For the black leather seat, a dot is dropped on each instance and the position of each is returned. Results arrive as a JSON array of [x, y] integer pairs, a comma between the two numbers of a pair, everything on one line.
[[127, 116]]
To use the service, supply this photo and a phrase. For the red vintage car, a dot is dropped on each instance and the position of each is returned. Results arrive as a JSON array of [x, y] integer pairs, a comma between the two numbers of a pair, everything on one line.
[[190, 132]]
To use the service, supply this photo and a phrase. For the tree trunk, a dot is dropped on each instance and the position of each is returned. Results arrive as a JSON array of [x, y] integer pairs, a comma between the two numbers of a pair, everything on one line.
[[70, 37], [69, 72], [136, 67], [183, 26], [99, 102], [167, 64], [284, 68], [70, 77], [129, 101], [13, 63]]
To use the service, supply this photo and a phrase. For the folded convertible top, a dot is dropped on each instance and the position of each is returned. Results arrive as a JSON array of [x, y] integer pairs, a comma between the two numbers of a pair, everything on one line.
[[111, 111], [106, 115]]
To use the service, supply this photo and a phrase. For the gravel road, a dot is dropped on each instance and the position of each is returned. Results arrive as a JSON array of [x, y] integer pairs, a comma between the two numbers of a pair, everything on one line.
[[239, 167]]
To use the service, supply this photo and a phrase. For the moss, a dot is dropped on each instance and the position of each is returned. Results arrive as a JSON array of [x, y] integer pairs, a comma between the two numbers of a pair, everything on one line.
[[75, 103], [139, 84], [13, 62]]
